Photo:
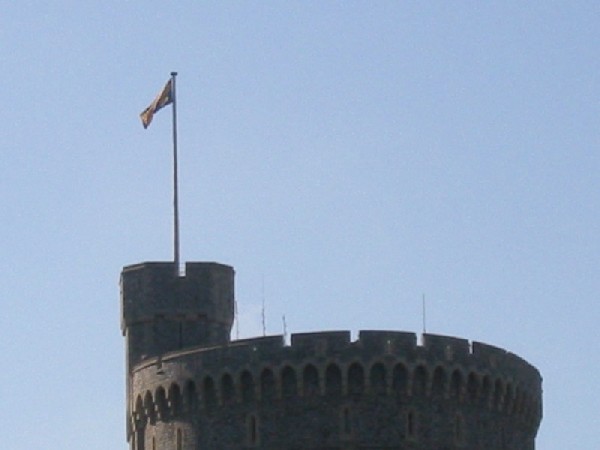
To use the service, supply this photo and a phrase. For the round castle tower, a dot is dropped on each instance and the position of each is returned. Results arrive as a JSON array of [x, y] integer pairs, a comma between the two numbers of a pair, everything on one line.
[[189, 387]]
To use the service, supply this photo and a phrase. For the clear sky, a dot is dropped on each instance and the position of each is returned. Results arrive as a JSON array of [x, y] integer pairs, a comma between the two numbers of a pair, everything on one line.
[[347, 156]]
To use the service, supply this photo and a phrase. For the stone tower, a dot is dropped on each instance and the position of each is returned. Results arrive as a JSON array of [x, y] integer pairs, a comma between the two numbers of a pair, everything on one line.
[[189, 387]]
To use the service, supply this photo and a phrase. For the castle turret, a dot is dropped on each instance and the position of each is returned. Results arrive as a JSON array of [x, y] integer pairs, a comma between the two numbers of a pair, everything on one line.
[[164, 312]]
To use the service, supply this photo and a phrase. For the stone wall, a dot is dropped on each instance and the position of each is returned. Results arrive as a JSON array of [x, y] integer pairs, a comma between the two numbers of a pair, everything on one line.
[[324, 391]]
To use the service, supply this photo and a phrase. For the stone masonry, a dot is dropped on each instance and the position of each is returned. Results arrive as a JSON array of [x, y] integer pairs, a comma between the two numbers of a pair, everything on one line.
[[189, 387]]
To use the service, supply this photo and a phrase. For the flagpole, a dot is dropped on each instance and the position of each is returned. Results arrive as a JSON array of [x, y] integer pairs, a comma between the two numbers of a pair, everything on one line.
[[175, 181]]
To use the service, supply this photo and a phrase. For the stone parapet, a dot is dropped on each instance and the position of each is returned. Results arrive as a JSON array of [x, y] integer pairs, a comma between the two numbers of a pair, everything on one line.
[[380, 371]]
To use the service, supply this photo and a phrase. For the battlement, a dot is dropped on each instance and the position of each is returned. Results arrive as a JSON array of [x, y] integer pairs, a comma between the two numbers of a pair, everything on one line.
[[436, 349], [387, 362]]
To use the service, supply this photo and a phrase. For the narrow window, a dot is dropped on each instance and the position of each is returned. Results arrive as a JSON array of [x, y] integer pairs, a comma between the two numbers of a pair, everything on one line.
[[411, 425], [139, 439], [153, 443], [459, 429], [346, 425], [179, 440], [252, 430]]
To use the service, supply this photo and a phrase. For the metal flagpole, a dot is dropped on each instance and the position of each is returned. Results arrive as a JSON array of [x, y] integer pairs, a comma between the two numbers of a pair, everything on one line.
[[175, 182]]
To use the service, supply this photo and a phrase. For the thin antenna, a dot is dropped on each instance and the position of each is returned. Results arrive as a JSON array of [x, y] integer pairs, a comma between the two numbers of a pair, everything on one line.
[[424, 316], [264, 322], [237, 319], [284, 329]]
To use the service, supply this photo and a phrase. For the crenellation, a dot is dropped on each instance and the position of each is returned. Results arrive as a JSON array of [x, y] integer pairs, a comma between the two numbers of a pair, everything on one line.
[[446, 348], [261, 345], [388, 341], [320, 342], [189, 381], [234, 360], [490, 353]]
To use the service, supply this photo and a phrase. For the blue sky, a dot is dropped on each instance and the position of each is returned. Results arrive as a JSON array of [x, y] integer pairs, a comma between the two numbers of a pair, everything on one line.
[[345, 157]]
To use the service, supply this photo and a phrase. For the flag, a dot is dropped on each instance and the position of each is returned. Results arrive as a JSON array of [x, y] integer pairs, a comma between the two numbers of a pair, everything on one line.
[[164, 98]]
